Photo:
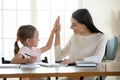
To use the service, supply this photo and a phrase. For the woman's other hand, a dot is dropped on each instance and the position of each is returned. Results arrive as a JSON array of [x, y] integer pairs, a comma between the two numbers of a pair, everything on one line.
[[67, 61]]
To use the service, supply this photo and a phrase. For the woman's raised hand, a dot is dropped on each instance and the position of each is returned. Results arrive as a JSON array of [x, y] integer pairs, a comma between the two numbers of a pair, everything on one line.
[[57, 32], [57, 25]]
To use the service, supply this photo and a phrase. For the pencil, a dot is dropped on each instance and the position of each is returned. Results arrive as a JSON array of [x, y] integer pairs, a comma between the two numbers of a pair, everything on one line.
[[28, 55]]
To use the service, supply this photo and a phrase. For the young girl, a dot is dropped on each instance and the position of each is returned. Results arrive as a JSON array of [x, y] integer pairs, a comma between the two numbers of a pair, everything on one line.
[[28, 36]]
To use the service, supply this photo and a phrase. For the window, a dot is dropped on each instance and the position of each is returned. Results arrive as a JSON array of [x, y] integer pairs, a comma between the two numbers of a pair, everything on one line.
[[41, 13]]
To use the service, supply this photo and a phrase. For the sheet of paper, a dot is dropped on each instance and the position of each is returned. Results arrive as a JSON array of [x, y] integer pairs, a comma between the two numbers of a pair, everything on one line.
[[30, 66], [50, 64], [9, 65]]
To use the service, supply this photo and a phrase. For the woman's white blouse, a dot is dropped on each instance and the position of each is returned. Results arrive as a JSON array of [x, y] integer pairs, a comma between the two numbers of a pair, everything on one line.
[[89, 48], [33, 52]]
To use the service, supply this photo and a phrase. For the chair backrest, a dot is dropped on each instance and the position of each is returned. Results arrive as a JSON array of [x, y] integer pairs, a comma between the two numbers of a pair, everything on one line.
[[5, 61], [45, 60], [111, 48]]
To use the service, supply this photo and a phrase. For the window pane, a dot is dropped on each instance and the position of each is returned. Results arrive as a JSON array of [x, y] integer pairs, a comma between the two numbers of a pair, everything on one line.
[[9, 4], [23, 18], [23, 4], [0, 4], [0, 24], [1, 50], [9, 48], [9, 22], [42, 43], [54, 15], [1, 46], [43, 23], [57, 4], [43, 4], [18, 12], [71, 4], [68, 31]]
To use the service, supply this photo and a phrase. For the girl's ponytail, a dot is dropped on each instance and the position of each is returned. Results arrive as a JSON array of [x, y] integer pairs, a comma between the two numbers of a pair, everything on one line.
[[16, 47]]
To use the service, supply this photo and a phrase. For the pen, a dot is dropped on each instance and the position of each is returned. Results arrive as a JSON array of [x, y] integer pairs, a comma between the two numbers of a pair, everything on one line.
[[28, 55]]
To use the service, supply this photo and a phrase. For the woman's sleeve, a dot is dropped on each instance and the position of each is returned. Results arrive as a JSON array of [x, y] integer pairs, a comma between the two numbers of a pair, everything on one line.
[[62, 53], [100, 51]]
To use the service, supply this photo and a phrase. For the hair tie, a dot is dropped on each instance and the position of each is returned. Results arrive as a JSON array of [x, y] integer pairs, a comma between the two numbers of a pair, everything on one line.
[[17, 40]]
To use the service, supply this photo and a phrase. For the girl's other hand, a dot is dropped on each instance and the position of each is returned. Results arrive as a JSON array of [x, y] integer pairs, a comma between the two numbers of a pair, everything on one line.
[[32, 59]]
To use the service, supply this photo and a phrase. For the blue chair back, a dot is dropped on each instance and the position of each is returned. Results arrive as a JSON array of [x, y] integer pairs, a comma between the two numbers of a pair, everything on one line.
[[111, 48]]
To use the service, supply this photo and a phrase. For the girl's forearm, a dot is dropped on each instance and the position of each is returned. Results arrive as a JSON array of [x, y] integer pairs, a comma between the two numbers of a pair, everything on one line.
[[48, 44], [19, 61], [50, 40]]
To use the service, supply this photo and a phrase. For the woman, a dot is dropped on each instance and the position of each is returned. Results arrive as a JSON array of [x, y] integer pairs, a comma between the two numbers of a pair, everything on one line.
[[86, 44]]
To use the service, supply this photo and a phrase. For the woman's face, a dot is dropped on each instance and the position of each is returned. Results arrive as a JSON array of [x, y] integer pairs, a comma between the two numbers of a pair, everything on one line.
[[77, 27]]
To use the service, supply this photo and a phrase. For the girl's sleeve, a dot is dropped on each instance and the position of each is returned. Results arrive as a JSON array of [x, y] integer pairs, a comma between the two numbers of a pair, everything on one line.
[[62, 53], [100, 51]]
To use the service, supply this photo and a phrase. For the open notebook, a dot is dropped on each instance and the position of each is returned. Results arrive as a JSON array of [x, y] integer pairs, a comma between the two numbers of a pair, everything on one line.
[[85, 63], [41, 64], [50, 64]]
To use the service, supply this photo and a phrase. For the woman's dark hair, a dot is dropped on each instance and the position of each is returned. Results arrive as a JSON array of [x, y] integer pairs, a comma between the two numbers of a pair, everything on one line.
[[23, 33], [83, 16]]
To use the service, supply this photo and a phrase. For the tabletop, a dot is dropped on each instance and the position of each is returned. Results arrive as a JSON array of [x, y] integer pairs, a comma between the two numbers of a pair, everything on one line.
[[105, 69]]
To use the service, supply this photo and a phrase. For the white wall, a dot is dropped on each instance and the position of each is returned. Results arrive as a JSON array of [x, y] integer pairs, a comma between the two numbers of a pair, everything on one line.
[[106, 15]]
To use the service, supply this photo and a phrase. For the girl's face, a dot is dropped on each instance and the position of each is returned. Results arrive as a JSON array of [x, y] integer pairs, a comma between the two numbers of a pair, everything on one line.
[[77, 27], [35, 39]]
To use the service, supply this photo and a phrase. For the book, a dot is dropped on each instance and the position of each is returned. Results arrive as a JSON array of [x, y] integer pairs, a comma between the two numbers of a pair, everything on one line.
[[85, 63], [9, 65]]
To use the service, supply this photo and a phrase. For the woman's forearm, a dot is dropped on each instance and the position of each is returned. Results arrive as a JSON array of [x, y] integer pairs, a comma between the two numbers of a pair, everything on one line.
[[57, 39]]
